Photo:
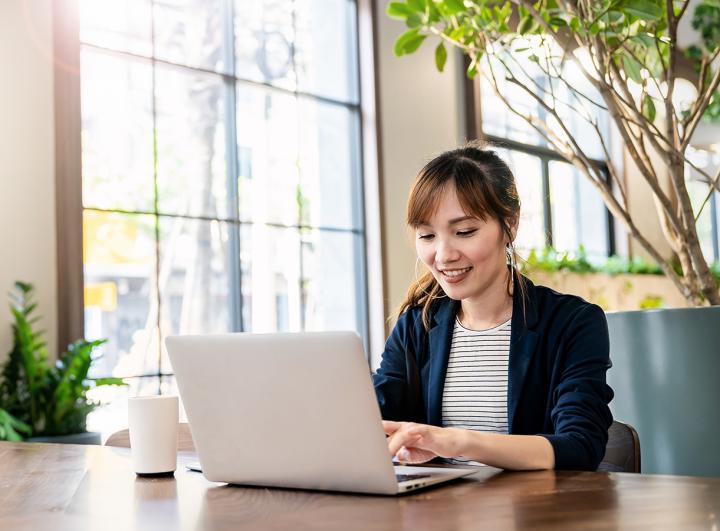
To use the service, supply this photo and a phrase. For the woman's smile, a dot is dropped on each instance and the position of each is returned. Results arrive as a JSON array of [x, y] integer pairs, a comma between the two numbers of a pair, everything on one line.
[[454, 276]]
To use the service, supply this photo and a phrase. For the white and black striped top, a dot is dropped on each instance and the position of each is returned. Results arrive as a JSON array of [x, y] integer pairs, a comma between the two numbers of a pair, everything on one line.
[[475, 395]]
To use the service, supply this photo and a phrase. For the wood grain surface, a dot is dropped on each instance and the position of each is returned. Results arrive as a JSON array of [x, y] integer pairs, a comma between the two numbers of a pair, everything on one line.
[[59, 487]]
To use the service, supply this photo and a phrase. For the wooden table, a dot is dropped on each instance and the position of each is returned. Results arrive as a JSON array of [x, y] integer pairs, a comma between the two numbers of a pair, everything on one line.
[[68, 487]]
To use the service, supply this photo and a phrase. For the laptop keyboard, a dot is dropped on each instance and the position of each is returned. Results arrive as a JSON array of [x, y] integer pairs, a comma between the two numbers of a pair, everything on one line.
[[410, 477]]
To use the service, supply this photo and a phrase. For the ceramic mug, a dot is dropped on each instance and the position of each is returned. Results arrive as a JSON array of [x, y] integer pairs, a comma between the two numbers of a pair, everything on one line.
[[153, 423]]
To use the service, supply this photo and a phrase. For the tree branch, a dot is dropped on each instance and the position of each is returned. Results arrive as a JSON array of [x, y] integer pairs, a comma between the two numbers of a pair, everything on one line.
[[714, 184], [700, 110]]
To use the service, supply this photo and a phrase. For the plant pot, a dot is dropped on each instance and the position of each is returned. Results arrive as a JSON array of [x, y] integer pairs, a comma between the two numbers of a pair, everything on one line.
[[87, 437], [666, 366]]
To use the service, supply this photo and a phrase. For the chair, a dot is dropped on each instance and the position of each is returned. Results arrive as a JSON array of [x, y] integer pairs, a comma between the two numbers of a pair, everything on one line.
[[622, 453], [185, 440]]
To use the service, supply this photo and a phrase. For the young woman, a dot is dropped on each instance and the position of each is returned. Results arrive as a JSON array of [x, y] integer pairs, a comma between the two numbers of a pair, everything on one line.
[[482, 365]]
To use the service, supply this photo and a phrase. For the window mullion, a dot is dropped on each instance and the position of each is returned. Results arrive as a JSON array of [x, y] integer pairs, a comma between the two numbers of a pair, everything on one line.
[[714, 222], [232, 170], [547, 204], [156, 209], [609, 217]]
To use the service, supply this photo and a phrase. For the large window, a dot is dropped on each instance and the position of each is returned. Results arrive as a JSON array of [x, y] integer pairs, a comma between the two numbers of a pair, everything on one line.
[[560, 207], [698, 182], [221, 175]]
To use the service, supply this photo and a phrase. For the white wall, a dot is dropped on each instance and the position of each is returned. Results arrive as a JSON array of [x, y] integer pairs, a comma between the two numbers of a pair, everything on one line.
[[27, 174], [420, 115]]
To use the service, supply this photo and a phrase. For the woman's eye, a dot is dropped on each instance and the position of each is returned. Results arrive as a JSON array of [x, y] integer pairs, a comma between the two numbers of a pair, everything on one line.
[[466, 232], [426, 236]]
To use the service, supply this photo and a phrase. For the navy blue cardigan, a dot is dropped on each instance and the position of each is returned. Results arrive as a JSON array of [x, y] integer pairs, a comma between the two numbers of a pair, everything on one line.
[[559, 355]]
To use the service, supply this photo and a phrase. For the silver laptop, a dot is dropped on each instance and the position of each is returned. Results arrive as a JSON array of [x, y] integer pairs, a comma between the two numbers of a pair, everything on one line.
[[290, 410]]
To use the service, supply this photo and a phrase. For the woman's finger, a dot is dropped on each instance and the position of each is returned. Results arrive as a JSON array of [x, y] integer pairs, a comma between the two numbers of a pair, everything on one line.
[[390, 426], [414, 456], [402, 438]]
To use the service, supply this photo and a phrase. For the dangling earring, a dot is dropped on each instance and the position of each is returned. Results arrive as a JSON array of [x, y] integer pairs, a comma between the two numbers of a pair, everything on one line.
[[510, 252]]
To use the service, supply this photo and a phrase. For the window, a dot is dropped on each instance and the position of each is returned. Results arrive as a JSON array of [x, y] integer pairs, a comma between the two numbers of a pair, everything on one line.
[[707, 223], [560, 207], [221, 174]]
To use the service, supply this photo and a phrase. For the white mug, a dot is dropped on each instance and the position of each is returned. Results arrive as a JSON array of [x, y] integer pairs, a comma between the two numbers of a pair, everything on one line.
[[153, 423]]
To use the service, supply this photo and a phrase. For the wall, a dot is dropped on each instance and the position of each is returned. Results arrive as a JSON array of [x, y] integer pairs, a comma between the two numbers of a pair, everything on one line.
[[420, 115], [27, 193], [641, 199]]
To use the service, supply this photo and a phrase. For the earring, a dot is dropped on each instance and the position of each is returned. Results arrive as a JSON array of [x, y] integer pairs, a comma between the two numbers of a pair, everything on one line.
[[510, 252]]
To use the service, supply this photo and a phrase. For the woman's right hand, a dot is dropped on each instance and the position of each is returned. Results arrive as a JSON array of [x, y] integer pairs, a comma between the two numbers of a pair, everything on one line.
[[413, 443]]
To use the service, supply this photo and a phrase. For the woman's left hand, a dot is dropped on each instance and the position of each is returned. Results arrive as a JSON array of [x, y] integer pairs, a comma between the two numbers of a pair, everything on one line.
[[415, 443]]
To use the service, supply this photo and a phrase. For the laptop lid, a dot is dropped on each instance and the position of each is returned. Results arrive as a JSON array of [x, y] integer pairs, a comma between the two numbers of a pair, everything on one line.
[[291, 410]]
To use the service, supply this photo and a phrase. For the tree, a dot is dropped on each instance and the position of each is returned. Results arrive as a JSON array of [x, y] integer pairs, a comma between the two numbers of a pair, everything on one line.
[[634, 69]]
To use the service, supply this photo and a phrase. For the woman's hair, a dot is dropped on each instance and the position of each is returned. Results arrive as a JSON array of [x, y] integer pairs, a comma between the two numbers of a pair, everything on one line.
[[485, 188]]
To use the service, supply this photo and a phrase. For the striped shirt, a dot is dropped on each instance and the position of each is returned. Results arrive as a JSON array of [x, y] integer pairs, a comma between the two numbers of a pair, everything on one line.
[[475, 395]]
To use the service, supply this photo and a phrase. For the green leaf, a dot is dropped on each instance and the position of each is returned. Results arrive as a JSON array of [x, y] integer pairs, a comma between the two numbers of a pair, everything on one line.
[[457, 33], [453, 7], [525, 24], [506, 11], [472, 70], [408, 42], [440, 57], [399, 10], [643, 9], [502, 15], [693, 52], [413, 44], [557, 21], [413, 21], [644, 40], [632, 68], [433, 13], [108, 381], [648, 108], [11, 428], [417, 5], [614, 16]]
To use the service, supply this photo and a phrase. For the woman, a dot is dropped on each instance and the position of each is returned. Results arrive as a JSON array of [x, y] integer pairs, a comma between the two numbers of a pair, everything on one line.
[[483, 366]]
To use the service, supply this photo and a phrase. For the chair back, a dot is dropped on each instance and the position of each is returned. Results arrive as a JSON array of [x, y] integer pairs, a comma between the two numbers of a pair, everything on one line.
[[185, 440], [622, 453]]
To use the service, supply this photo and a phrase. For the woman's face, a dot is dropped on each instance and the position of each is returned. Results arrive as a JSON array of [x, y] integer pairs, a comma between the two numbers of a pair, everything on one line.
[[465, 254]]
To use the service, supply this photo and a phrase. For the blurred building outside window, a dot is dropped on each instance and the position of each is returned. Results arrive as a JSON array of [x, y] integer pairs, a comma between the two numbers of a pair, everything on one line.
[[708, 221], [222, 187], [559, 206]]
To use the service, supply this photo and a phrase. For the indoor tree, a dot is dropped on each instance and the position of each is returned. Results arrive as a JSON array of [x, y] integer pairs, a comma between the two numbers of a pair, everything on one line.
[[627, 52]]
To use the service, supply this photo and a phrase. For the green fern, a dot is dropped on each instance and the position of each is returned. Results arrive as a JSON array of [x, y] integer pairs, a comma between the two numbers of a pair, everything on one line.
[[37, 397]]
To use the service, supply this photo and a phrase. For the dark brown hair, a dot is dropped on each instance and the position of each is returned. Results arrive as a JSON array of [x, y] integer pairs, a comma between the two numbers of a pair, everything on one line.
[[485, 187]]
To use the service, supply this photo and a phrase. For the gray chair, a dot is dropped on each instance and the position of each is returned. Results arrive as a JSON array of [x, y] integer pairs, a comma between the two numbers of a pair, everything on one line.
[[622, 453], [185, 440]]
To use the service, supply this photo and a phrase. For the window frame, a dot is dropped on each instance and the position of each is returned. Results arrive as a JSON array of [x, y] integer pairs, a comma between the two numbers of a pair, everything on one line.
[[547, 155], [68, 169], [474, 129]]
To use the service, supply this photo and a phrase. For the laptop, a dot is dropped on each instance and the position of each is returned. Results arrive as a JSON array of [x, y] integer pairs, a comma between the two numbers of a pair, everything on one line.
[[293, 410]]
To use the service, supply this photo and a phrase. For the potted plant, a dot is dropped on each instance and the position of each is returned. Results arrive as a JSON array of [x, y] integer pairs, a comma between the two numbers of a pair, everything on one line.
[[628, 53], [42, 400]]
